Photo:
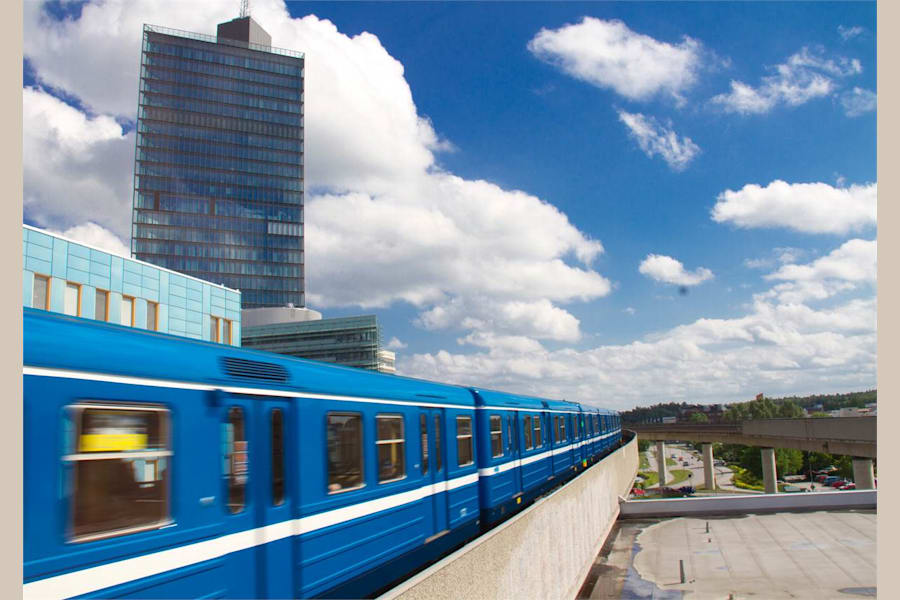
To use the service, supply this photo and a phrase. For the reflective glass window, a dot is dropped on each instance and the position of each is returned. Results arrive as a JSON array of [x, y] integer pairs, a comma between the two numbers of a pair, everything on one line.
[[390, 444], [464, 450], [528, 443], [277, 441], [101, 305], [237, 459], [496, 436], [72, 304], [345, 451], [41, 292]]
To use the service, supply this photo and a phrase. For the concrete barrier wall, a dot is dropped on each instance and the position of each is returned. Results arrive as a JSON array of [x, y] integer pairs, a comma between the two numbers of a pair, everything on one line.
[[544, 552], [750, 503]]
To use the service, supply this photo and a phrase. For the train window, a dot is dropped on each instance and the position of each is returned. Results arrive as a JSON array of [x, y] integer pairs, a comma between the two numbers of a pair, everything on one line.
[[119, 457], [496, 436], [237, 459], [464, 451], [528, 444], [40, 297], [596, 424], [345, 452], [555, 428], [562, 428], [538, 442], [390, 444], [423, 434], [437, 443], [277, 457], [511, 431], [575, 427]]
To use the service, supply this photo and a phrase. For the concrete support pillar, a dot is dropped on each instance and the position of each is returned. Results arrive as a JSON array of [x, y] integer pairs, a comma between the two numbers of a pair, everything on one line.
[[709, 470], [769, 473], [863, 473], [661, 463]]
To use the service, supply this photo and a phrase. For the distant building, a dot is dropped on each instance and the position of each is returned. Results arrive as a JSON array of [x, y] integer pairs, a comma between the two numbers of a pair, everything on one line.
[[65, 276], [218, 168], [350, 341], [853, 412]]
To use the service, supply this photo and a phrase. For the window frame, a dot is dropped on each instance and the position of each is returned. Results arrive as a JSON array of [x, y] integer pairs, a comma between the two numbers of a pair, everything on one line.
[[401, 441], [227, 333], [362, 452], [497, 432], [214, 321], [538, 442], [75, 412], [229, 477], [131, 316], [78, 289], [105, 293], [529, 434], [468, 436], [155, 306]]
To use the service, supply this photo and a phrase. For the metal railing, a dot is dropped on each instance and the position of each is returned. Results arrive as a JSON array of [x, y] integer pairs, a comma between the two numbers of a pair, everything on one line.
[[202, 37]]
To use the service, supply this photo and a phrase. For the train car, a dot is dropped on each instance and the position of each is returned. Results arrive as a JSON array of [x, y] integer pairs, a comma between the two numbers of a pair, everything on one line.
[[157, 466], [513, 465]]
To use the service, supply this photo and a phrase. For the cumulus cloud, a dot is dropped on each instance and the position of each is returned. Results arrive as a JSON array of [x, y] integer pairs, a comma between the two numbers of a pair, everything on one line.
[[94, 235], [666, 269], [74, 165], [383, 223], [781, 343], [395, 344], [805, 76], [858, 102], [778, 256], [656, 138], [609, 55], [804, 207]]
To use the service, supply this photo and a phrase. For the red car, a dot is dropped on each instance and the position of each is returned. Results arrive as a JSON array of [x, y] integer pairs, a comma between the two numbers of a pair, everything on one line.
[[848, 486], [839, 483], [637, 492]]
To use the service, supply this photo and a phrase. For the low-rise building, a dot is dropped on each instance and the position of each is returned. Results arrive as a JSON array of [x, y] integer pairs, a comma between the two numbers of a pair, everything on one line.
[[71, 277]]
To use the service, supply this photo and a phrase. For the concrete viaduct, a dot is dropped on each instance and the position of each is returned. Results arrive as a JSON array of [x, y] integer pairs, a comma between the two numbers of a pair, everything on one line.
[[853, 436]]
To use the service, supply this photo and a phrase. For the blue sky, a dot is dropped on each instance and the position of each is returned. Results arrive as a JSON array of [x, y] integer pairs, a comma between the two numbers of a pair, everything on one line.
[[619, 203]]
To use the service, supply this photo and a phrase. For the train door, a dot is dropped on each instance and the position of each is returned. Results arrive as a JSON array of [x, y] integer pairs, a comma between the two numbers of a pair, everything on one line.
[[434, 466], [258, 492], [514, 424]]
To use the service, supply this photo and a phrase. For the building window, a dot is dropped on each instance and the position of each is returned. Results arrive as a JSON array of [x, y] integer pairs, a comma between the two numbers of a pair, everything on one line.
[[528, 444], [390, 446], [118, 459], [464, 451], [496, 436], [538, 442], [237, 459], [214, 329], [126, 315], [226, 331], [40, 297], [72, 304], [345, 455], [152, 316], [101, 305], [277, 457]]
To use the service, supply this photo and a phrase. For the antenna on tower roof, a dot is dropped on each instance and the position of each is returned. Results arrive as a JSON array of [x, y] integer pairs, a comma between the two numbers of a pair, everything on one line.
[[245, 8]]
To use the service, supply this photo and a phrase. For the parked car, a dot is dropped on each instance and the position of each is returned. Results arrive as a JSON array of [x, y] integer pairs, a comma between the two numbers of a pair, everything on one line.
[[830, 479], [685, 464], [638, 492], [792, 489], [839, 483], [848, 486], [820, 478]]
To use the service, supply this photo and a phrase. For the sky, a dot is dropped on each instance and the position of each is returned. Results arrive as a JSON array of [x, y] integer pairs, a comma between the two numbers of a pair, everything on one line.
[[614, 203]]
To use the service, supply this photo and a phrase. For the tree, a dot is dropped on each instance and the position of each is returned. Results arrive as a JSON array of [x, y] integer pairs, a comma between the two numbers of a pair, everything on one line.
[[698, 417]]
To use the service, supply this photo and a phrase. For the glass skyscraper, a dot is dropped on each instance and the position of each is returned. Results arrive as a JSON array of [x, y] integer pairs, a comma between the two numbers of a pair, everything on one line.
[[218, 170]]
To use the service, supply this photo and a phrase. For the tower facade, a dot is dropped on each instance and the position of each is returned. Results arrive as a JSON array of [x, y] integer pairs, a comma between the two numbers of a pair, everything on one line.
[[218, 170]]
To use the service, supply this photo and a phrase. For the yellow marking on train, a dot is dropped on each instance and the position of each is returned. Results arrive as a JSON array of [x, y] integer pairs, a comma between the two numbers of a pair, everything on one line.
[[111, 442]]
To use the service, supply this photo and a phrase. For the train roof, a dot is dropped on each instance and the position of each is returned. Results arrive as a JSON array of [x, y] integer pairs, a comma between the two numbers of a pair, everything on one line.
[[57, 341], [495, 398]]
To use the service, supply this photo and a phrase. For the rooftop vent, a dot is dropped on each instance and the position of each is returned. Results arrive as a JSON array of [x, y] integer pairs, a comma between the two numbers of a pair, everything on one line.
[[253, 369]]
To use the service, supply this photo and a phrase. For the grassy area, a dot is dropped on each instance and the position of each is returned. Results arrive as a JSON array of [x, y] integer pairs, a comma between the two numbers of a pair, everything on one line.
[[650, 477], [680, 475], [670, 462], [645, 464]]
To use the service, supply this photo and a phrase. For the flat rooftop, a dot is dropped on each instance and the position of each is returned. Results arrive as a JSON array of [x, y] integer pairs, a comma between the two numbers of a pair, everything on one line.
[[810, 555]]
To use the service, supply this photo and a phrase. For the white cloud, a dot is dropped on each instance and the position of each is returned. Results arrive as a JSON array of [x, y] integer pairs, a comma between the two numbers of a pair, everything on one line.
[[656, 138], [805, 207], [848, 33], [94, 235], [778, 256], [858, 101], [666, 269], [805, 76], [395, 344], [608, 54], [383, 223], [781, 344], [629, 310], [74, 166]]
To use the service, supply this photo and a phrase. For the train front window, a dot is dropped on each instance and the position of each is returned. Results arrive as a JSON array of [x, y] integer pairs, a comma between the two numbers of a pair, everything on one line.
[[345, 451], [118, 458], [496, 436], [391, 446]]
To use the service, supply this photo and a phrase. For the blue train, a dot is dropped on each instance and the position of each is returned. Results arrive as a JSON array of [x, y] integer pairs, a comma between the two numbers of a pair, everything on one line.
[[157, 466]]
